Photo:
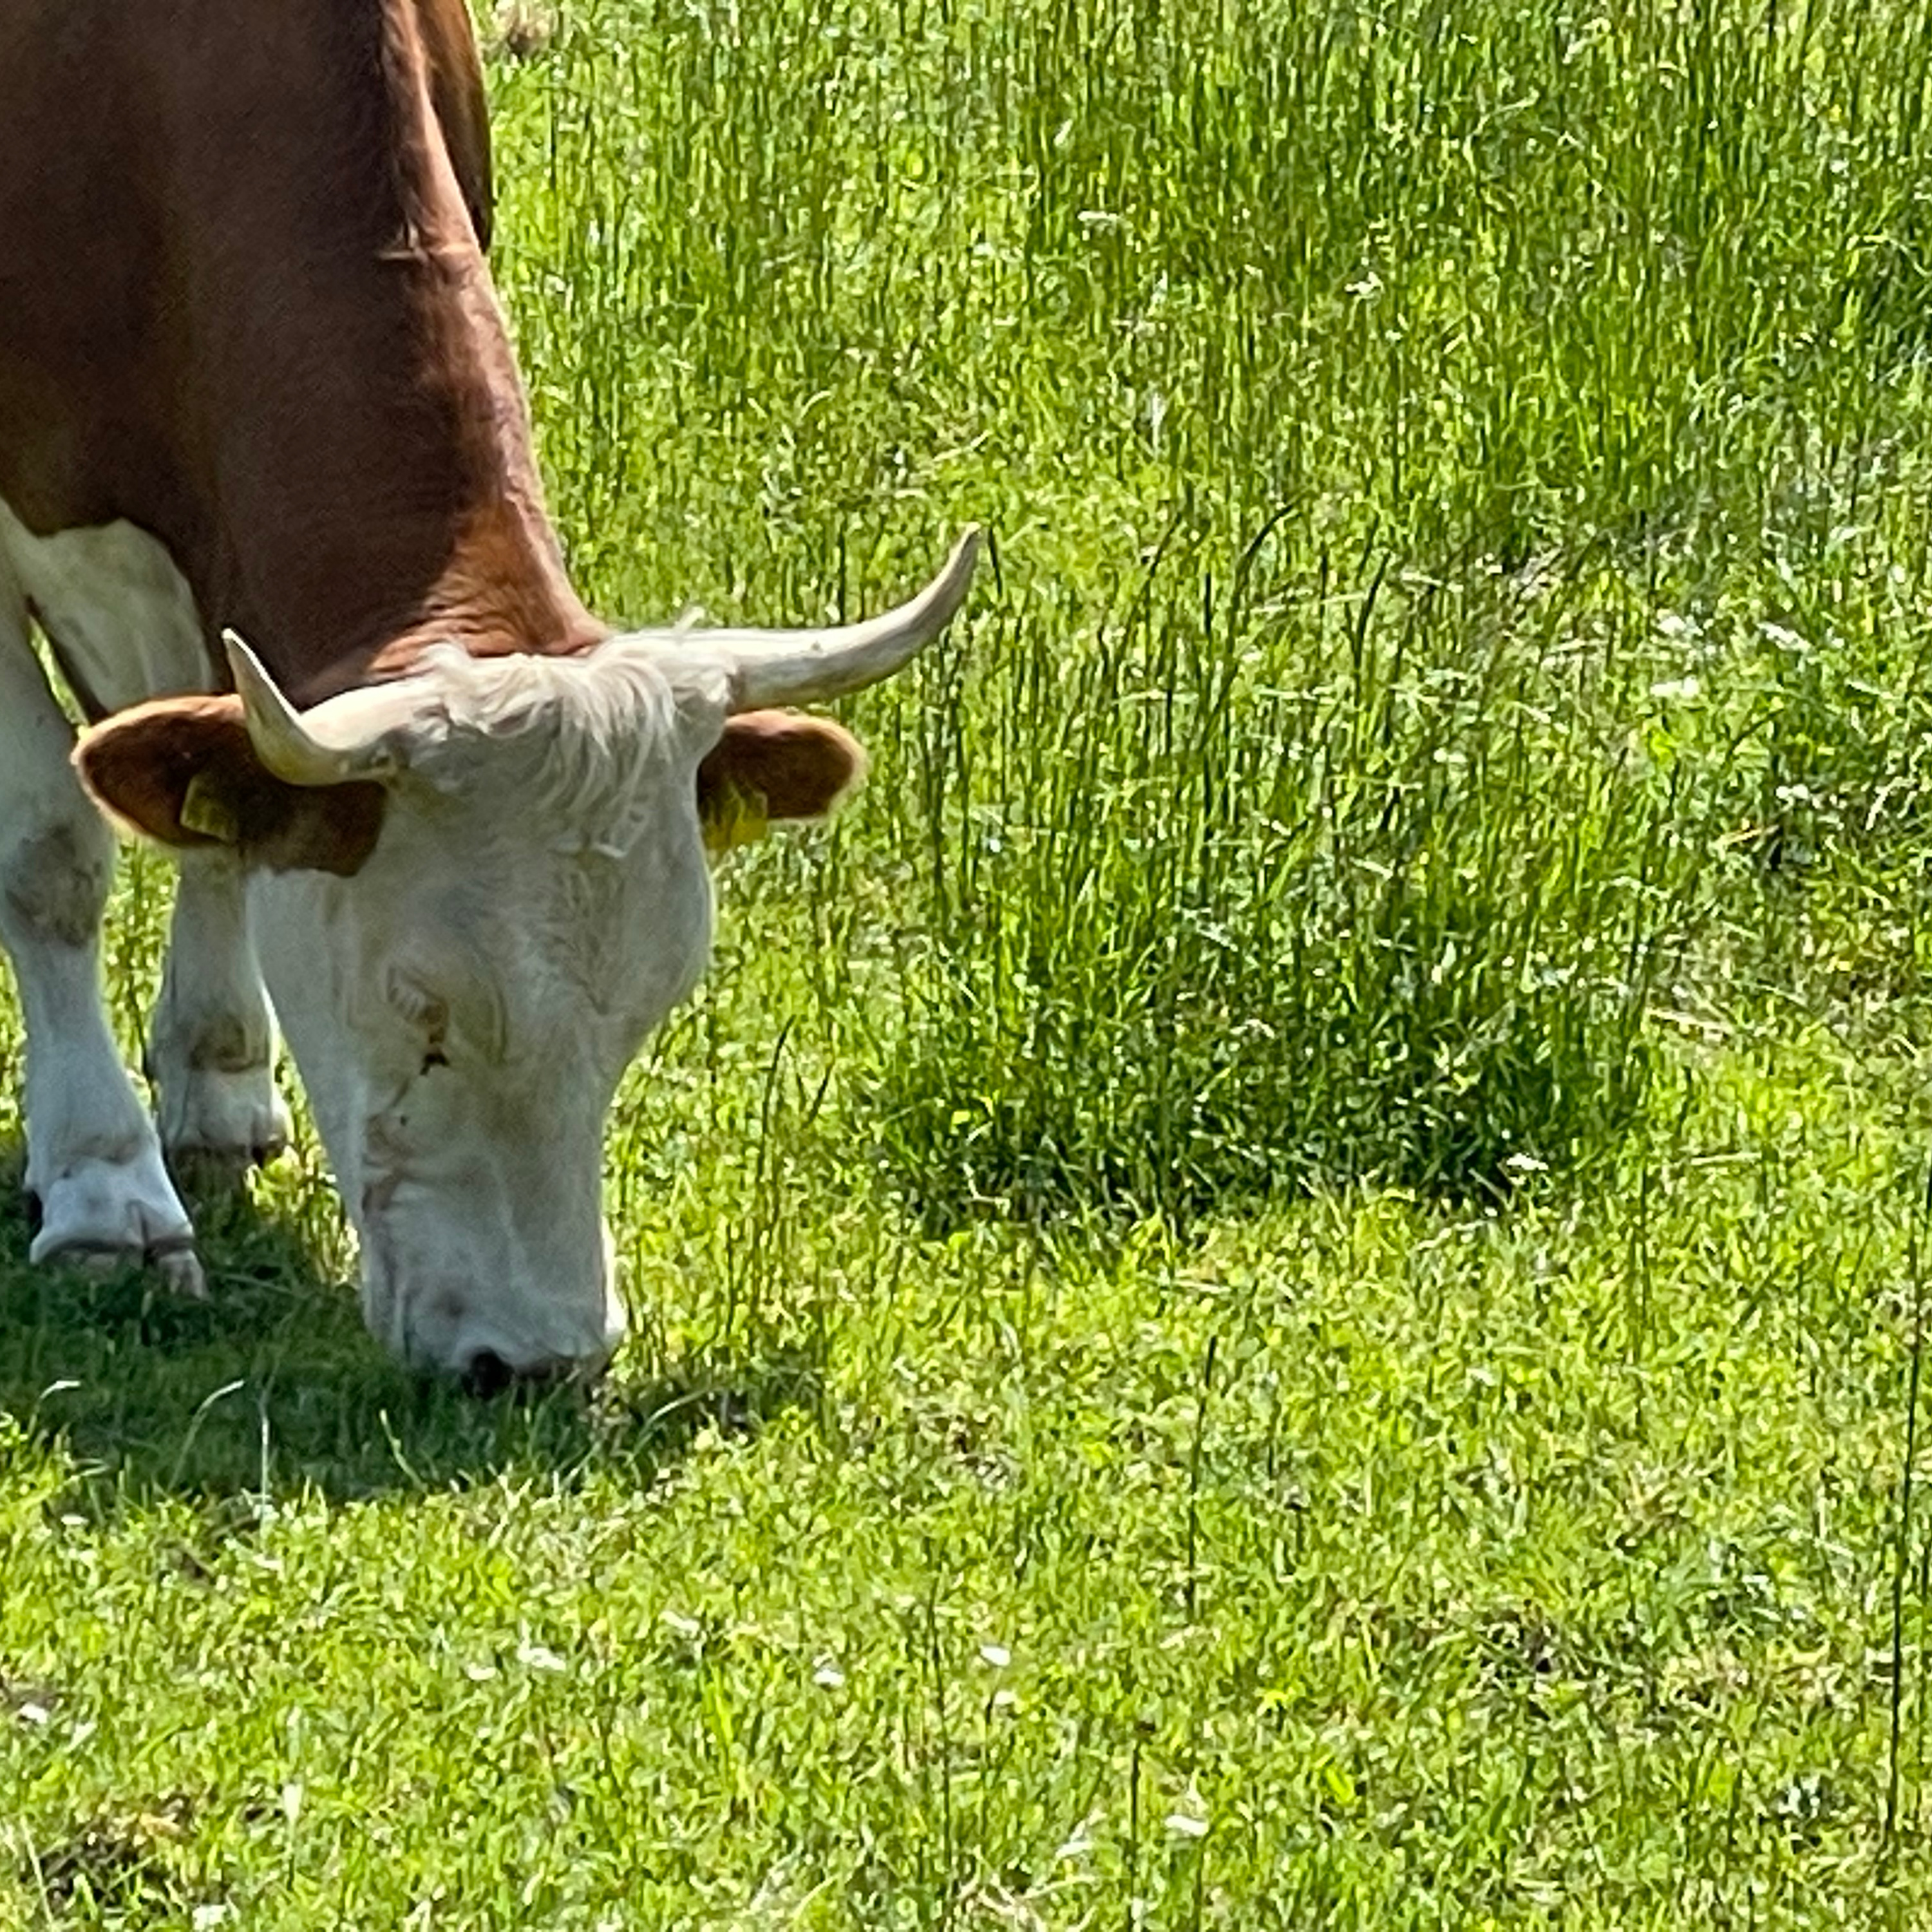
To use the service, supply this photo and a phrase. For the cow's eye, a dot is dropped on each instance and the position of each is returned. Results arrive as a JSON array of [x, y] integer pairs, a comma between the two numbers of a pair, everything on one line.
[[422, 1008], [457, 1009]]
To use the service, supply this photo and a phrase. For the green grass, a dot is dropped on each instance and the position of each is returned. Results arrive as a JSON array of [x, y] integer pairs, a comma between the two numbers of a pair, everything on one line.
[[1281, 1285]]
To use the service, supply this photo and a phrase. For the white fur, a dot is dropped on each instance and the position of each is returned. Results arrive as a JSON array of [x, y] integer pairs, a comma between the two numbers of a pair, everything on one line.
[[122, 619], [121, 616], [94, 1162], [463, 1007], [582, 739], [212, 1049]]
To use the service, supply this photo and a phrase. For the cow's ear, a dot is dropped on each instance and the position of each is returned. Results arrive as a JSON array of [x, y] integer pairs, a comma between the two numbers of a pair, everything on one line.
[[182, 770], [773, 764]]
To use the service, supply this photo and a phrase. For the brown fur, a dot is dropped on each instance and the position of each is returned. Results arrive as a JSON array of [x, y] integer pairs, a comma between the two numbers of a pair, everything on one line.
[[244, 305], [792, 765], [140, 764]]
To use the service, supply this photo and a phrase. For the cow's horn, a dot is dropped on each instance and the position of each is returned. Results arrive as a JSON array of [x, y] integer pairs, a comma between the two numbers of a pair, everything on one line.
[[284, 744], [808, 667]]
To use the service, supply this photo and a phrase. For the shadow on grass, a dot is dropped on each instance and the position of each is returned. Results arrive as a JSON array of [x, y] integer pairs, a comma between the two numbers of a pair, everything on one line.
[[272, 1387]]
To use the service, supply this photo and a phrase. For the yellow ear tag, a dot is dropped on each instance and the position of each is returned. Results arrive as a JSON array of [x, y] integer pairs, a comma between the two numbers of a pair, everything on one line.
[[204, 810], [742, 821]]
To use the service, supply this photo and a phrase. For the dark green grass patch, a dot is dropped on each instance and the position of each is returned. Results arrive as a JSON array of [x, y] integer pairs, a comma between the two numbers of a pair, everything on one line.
[[1284, 879]]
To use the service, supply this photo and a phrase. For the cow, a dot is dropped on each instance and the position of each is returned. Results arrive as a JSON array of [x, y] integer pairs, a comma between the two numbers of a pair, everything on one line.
[[268, 493]]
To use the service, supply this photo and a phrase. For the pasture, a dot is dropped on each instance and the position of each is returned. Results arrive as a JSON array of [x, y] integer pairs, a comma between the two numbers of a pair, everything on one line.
[[1282, 1284]]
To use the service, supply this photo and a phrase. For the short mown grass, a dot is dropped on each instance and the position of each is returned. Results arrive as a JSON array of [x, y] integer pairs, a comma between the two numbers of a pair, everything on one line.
[[1283, 1284]]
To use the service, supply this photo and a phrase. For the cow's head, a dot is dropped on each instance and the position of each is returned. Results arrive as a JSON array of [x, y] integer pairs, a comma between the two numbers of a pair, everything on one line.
[[474, 891]]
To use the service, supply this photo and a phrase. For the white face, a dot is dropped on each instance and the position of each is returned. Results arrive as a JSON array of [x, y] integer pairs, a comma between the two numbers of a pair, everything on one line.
[[461, 1011]]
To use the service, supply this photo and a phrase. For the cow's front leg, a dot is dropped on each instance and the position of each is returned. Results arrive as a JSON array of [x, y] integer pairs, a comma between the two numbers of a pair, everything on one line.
[[94, 1162], [212, 1052]]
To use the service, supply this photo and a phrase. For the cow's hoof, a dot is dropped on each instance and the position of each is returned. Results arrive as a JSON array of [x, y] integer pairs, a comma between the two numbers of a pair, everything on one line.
[[226, 1123], [104, 1215]]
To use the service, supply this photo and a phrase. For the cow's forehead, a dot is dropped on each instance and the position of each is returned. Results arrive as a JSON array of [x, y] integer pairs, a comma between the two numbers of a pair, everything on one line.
[[569, 724], [570, 879]]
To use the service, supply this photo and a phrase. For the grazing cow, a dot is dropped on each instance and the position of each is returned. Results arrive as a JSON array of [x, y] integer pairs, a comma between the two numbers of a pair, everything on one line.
[[266, 487]]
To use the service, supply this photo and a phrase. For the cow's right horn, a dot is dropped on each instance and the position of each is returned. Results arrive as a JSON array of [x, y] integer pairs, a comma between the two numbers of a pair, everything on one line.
[[286, 746]]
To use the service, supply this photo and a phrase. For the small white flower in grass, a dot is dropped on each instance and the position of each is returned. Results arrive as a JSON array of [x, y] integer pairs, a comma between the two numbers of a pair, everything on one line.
[[207, 1917], [1079, 1846], [1185, 1825], [34, 1714], [1678, 690], [997, 1655], [828, 1676], [539, 1657]]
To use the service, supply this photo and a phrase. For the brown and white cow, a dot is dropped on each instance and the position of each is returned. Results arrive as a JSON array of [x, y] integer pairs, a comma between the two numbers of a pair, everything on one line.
[[254, 385]]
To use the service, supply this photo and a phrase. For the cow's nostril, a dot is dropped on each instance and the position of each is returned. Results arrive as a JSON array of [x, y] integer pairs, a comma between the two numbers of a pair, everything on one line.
[[487, 1374]]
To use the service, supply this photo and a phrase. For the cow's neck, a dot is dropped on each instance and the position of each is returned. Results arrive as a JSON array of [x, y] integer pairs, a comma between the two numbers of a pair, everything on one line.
[[404, 506], [331, 436]]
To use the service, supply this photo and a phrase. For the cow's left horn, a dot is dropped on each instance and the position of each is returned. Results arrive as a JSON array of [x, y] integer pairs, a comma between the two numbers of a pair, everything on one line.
[[808, 667], [284, 744]]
